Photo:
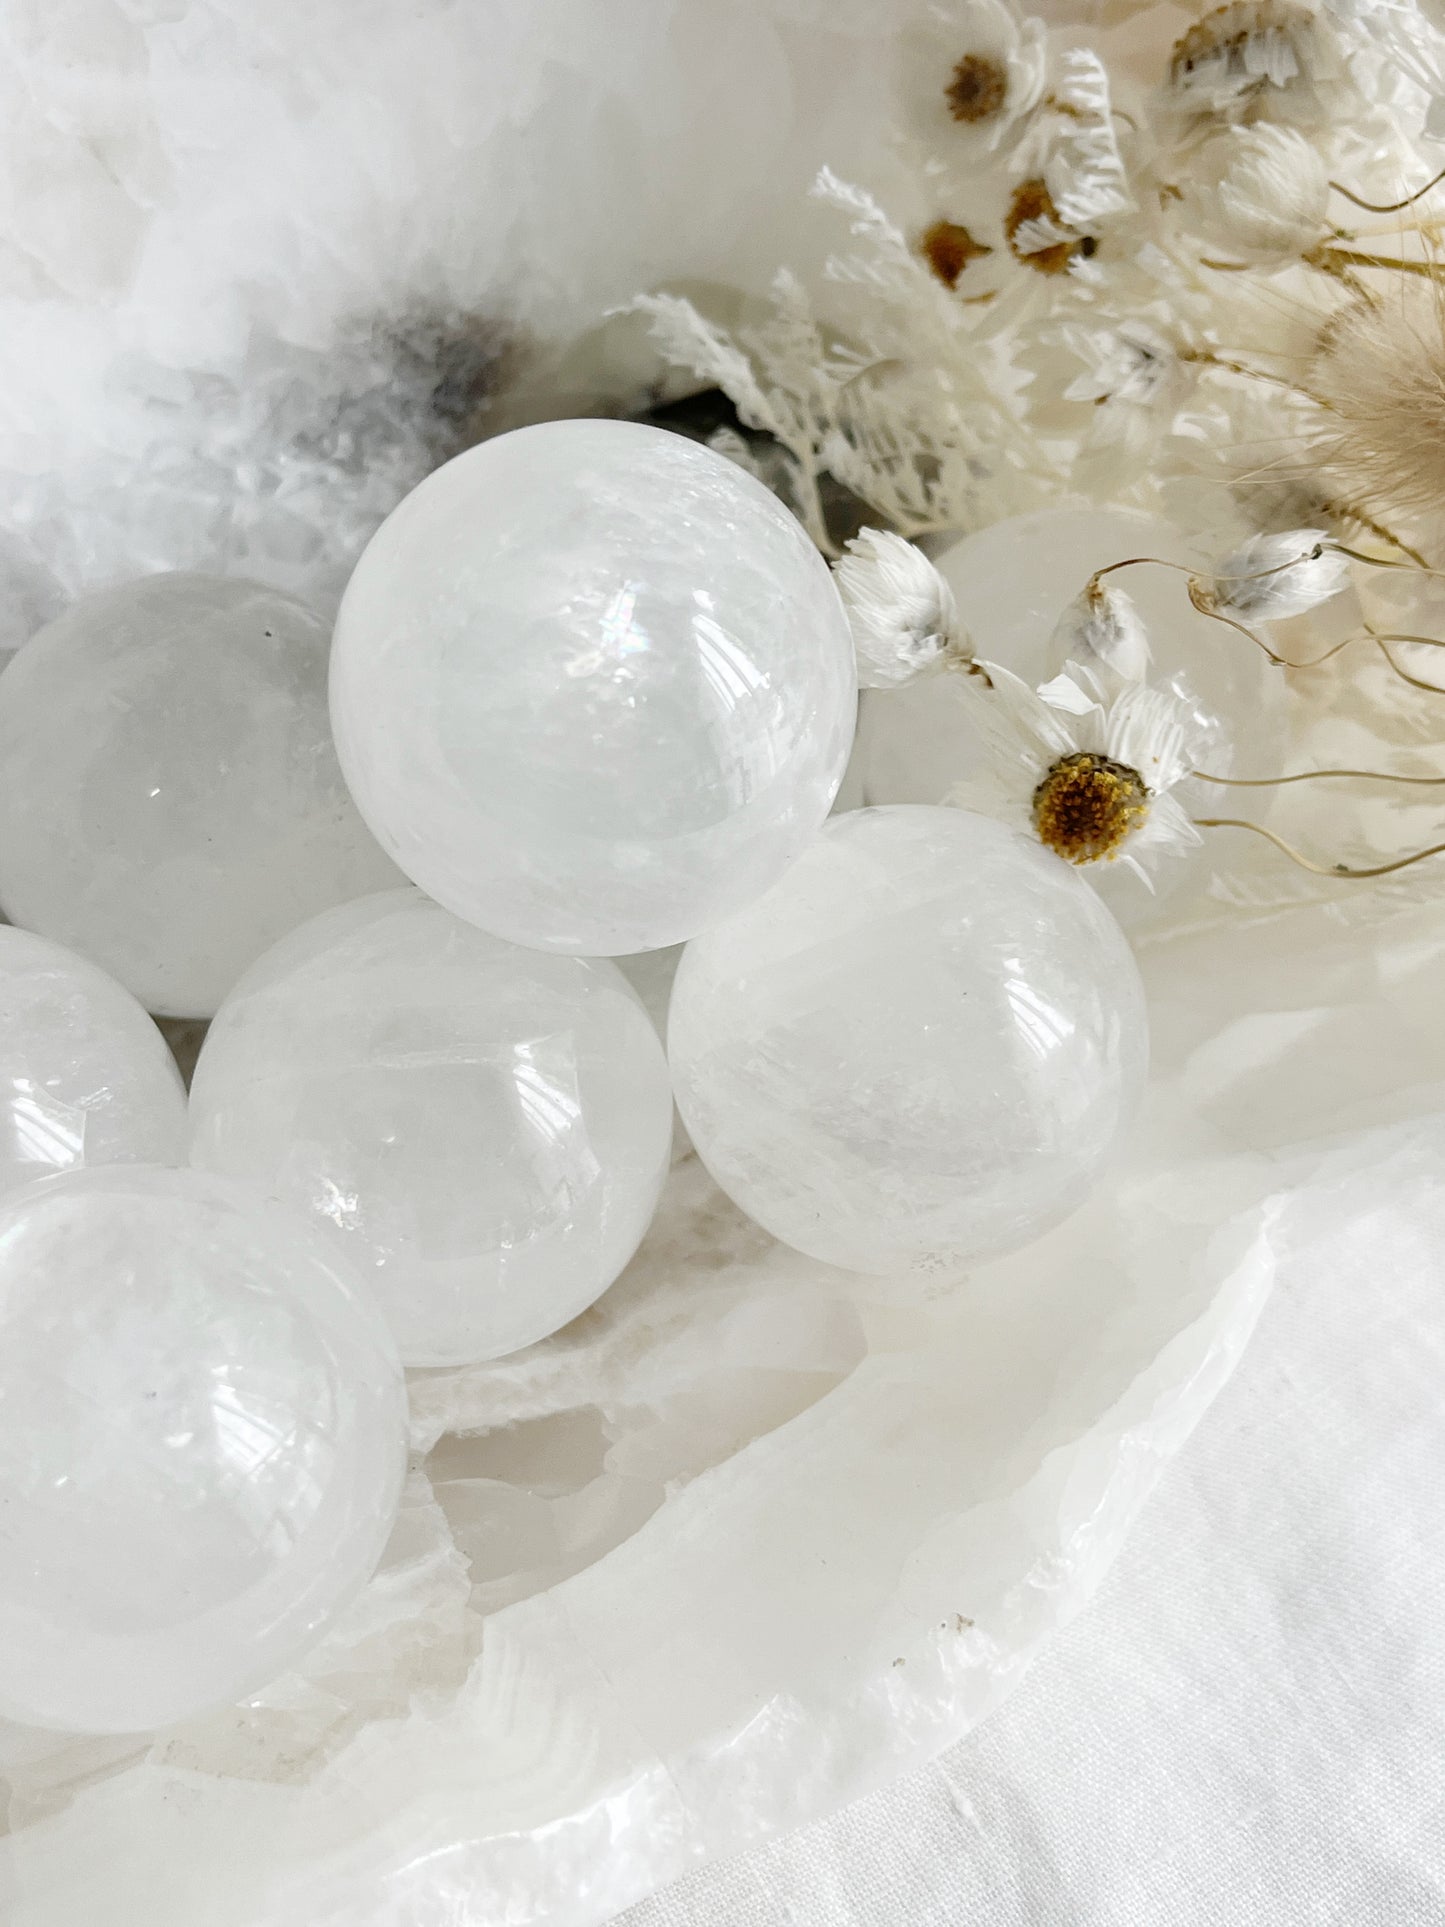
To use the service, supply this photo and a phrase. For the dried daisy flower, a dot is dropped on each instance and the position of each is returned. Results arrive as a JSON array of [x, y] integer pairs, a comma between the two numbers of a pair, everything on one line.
[[1073, 177], [1102, 626], [1380, 371], [1086, 764], [1273, 577], [999, 77], [1232, 57], [1262, 192], [900, 609]]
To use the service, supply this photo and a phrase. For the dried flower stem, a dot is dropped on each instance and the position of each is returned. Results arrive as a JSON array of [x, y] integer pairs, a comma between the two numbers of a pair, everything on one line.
[[1382, 561], [1309, 776], [1205, 358], [1332, 259], [1415, 682], [1388, 207], [1306, 863]]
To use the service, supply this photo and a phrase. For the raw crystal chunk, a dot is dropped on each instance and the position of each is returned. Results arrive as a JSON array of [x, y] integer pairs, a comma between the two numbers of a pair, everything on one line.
[[592, 687], [484, 1128], [202, 1441], [170, 802], [917, 1049], [87, 1077]]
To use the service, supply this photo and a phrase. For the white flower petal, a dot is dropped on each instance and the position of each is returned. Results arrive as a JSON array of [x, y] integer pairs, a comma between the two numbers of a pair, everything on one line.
[[900, 609], [1102, 625], [1274, 576], [1146, 733]]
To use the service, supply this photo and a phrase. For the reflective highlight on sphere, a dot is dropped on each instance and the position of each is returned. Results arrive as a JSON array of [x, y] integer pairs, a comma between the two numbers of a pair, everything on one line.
[[87, 1077], [484, 1129], [592, 687], [917, 1049], [170, 801], [202, 1442]]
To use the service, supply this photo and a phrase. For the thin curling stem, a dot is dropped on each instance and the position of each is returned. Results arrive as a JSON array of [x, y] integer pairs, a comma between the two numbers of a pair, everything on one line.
[[1389, 207], [1310, 775], [1198, 596], [1369, 635], [1306, 863], [1415, 682]]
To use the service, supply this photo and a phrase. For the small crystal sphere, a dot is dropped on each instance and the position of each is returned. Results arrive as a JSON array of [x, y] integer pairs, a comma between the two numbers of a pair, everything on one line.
[[592, 687], [170, 801], [87, 1077], [485, 1129], [202, 1443], [917, 1049]]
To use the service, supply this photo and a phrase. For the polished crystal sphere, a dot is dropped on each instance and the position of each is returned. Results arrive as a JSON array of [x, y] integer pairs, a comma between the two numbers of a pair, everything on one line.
[[917, 1049], [483, 1129], [170, 801], [85, 1076], [592, 687], [202, 1442]]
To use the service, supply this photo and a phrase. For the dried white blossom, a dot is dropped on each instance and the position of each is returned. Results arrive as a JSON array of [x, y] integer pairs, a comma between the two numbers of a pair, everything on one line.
[[1082, 168], [1272, 577], [998, 77], [1128, 362], [900, 609], [1069, 174], [1102, 626], [1261, 192], [1241, 53], [1086, 763]]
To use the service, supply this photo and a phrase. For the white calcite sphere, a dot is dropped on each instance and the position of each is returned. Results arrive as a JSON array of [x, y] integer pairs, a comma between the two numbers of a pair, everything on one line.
[[85, 1076], [917, 1049], [202, 1442], [484, 1129], [592, 687], [170, 801]]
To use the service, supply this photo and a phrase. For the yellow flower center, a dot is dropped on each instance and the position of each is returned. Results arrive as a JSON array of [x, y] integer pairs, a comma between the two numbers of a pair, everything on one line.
[[1086, 806], [977, 90]]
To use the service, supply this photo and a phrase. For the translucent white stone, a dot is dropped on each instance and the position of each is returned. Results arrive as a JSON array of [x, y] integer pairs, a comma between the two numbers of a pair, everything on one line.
[[917, 1049], [170, 801], [485, 1129], [592, 687], [202, 1442], [85, 1076]]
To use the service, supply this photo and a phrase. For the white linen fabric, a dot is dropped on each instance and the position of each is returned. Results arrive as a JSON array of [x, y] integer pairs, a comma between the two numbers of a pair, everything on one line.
[[1248, 1725]]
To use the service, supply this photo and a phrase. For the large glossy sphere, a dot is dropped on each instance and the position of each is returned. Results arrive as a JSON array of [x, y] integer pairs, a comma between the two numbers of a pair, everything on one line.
[[202, 1441], [485, 1129], [85, 1076], [917, 1049], [592, 687], [170, 801]]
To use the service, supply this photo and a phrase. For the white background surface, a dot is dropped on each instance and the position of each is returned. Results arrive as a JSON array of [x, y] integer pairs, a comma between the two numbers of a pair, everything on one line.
[[1248, 1725]]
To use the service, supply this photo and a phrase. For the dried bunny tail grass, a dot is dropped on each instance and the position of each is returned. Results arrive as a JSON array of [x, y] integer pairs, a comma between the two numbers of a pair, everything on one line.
[[1380, 371]]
